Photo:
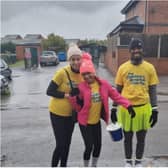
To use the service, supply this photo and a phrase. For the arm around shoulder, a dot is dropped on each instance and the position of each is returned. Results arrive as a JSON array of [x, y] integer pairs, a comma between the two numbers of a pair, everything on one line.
[[52, 90]]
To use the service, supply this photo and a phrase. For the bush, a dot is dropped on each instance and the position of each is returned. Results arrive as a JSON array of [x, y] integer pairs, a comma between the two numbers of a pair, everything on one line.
[[9, 58], [8, 47]]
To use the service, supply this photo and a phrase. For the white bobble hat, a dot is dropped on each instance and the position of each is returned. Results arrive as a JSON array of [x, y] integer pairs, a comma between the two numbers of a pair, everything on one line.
[[73, 50]]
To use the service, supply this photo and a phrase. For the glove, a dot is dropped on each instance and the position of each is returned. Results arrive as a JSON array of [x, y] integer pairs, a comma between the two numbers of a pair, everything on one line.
[[154, 117], [74, 92], [114, 115], [131, 111]]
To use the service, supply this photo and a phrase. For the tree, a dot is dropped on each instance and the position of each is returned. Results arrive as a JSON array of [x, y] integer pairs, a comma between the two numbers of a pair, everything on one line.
[[54, 42], [8, 47]]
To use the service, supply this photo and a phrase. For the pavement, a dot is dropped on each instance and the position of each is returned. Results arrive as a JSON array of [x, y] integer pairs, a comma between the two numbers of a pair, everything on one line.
[[27, 137]]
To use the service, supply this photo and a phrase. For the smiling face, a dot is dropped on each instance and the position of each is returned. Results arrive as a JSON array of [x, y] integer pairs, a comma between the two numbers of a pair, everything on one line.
[[136, 55], [89, 77], [75, 62], [137, 51]]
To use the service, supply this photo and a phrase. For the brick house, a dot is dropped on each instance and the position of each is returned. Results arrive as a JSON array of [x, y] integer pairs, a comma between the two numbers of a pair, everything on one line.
[[29, 41], [144, 19], [30, 44], [152, 13]]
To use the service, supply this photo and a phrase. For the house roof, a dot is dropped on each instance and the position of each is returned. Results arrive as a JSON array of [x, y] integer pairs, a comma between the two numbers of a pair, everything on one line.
[[12, 36], [129, 5], [134, 23], [33, 36], [29, 42]]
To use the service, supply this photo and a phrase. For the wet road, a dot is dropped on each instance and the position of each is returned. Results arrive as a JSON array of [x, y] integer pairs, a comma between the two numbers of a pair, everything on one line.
[[28, 87], [26, 134]]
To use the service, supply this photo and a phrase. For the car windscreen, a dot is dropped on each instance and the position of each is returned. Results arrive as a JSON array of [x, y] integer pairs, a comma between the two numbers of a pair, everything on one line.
[[47, 53]]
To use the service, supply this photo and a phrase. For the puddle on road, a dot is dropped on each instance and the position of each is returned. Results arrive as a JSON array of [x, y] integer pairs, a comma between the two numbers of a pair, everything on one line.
[[18, 107], [15, 76], [35, 93]]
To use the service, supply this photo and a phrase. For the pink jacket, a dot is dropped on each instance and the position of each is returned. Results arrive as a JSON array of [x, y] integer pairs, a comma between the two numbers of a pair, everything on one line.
[[106, 91]]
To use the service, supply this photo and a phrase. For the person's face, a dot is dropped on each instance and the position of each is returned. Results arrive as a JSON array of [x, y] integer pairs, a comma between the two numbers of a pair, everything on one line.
[[136, 52], [88, 77], [75, 62], [136, 55]]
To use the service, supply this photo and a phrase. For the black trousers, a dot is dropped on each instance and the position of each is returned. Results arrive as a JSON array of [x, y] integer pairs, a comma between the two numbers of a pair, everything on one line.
[[128, 136], [63, 128], [92, 137]]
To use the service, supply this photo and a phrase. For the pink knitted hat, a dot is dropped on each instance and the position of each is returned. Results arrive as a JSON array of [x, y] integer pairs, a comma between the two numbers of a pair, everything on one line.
[[87, 64], [86, 56]]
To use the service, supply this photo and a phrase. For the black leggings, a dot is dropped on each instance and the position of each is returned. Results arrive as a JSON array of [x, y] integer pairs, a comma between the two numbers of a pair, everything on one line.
[[92, 138], [128, 136], [63, 128]]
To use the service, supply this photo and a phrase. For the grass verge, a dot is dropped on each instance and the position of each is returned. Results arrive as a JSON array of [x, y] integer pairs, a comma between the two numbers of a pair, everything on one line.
[[19, 63]]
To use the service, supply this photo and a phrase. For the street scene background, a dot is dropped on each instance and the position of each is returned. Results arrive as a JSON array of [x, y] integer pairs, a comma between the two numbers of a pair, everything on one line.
[[26, 133]]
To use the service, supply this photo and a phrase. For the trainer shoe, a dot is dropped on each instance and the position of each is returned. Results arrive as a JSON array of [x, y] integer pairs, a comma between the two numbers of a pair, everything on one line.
[[139, 165], [128, 165]]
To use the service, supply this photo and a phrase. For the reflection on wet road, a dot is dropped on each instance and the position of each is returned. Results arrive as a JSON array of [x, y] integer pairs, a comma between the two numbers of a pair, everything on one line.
[[28, 88]]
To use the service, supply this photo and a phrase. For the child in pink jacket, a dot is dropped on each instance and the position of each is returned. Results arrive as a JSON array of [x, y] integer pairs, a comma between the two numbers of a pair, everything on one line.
[[94, 94]]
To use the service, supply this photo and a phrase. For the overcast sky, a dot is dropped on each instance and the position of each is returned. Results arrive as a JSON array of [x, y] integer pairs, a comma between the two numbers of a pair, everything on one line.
[[69, 19]]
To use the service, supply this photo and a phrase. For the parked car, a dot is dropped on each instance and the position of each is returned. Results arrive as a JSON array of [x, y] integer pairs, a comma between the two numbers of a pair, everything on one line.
[[49, 57], [4, 85], [5, 70]]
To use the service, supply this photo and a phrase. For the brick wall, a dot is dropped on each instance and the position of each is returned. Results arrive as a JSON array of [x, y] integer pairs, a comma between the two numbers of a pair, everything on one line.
[[20, 51], [158, 12], [158, 29], [156, 15], [111, 59], [160, 65], [138, 10], [108, 61]]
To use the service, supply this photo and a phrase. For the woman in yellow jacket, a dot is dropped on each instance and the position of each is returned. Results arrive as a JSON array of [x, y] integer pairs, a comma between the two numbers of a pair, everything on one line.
[[59, 106]]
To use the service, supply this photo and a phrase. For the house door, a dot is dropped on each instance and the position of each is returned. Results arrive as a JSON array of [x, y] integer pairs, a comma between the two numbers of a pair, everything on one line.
[[34, 57]]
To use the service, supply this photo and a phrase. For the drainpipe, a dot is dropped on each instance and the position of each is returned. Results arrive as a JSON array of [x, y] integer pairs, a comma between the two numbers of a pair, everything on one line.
[[159, 46], [145, 16]]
